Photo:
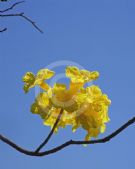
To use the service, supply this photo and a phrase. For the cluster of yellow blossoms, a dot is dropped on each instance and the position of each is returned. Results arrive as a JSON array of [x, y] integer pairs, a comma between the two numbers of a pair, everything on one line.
[[85, 107]]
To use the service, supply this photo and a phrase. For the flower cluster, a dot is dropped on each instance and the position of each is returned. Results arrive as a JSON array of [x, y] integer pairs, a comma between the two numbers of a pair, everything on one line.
[[85, 107]]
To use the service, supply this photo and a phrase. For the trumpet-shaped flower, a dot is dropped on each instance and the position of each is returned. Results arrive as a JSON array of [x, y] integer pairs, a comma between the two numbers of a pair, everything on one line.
[[83, 107], [32, 80]]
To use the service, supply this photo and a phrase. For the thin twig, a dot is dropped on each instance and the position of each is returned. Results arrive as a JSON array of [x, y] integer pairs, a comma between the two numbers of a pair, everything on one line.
[[66, 144], [23, 16], [33, 23], [10, 8], [2, 14], [51, 133]]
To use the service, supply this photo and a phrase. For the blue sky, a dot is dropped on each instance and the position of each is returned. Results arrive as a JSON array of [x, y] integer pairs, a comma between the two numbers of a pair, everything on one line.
[[98, 35]]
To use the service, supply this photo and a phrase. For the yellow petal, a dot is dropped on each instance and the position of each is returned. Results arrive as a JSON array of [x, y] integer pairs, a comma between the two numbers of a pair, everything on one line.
[[59, 88], [29, 80], [44, 86], [42, 75], [105, 99], [88, 76], [42, 99], [81, 76], [87, 138], [41, 106], [74, 74], [94, 91], [94, 75], [75, 87], [103, 128]]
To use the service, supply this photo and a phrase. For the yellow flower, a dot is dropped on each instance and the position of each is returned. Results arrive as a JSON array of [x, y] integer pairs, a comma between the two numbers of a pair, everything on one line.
[[29, 80], [81, 76], [63, 98], [32, 80], [93, 112], [42, 105], [85, 107]]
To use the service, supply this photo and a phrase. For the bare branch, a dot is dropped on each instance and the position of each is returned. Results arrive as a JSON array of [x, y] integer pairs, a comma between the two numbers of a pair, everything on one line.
[[10, 8], [3, 30], [66, 144], [51, 133], [2, 14], [3, 0], [23, 16], [33, 23]]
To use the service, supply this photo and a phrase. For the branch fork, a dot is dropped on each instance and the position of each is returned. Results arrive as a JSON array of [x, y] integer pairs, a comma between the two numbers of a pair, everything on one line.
[[3, 13]]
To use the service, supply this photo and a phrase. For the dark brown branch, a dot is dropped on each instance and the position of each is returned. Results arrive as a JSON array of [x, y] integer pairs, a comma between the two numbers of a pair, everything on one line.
[[3, 30], [32, 22], [23, 16], [10, 8], [110, 136], [3, 0], [66, 144], [18, 15], [50, 134]]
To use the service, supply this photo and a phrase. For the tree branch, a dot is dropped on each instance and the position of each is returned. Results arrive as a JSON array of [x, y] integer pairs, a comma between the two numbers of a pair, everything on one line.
[[3, 30], [66, 144], [19, 15], [3, 0], [50, 134], [10, 8]]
